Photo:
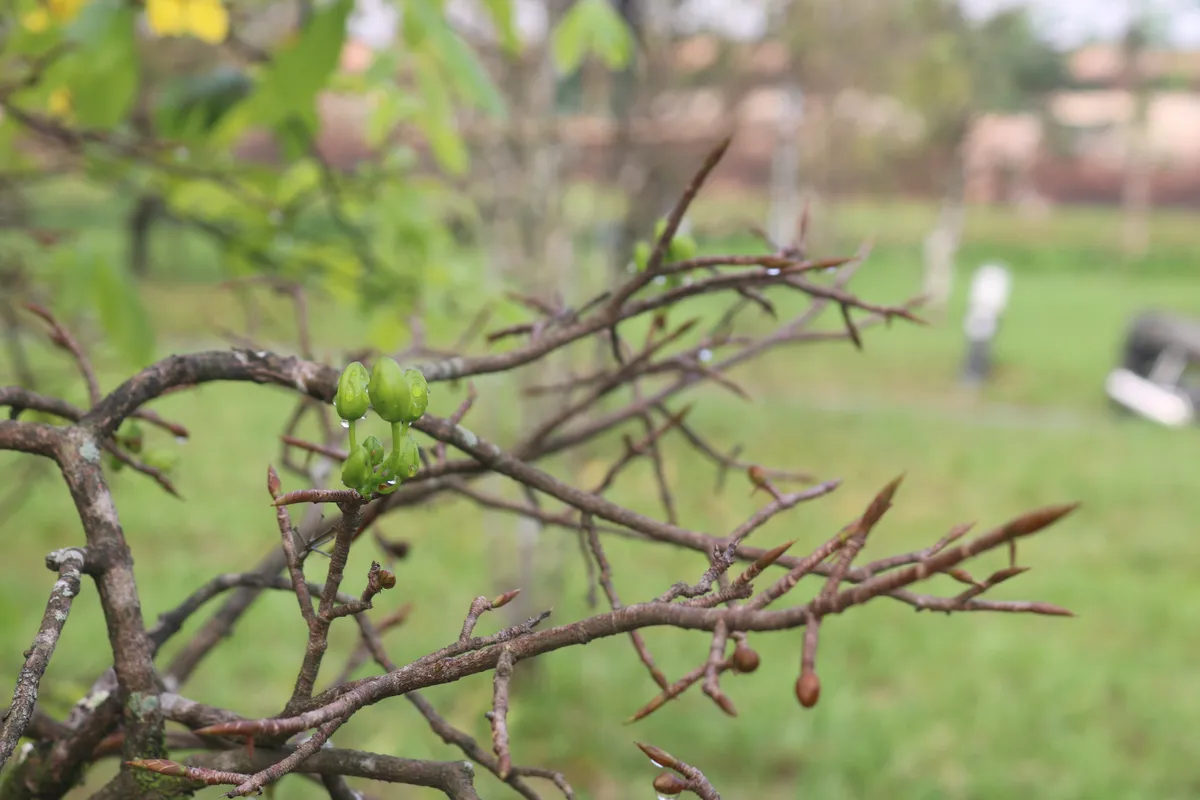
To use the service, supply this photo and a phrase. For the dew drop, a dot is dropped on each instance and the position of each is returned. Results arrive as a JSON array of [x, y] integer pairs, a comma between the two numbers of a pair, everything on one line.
[[345, 423], [655, 763], [392, 482], [706, 355], [660, 280], [181, 440], [773, 271]]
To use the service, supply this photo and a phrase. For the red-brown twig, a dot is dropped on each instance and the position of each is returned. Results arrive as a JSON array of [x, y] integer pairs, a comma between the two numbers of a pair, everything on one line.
[[337, 496], [286, 533], [716, 657], [202, 775], [61, 337], [499, 714], [610, 591], [675, 689], [693, 779], [69, 564], [458, 416], [254, 783], [480, 606]]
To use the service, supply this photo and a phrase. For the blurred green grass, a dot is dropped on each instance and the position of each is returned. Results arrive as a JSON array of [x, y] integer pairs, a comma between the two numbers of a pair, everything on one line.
[[913, 706]]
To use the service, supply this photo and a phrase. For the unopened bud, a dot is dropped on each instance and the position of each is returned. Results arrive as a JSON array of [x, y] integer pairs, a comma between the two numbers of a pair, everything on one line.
[[808, 688], [352, 400], [387, 578], [398, 395], [745, 658], [504, 599], [669, 783]]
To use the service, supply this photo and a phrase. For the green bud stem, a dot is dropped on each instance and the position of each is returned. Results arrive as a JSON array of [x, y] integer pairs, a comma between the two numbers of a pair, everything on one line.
[[353, 437], [398, 431]]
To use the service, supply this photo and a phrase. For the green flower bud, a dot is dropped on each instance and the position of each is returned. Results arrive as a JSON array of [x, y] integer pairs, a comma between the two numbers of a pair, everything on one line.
[[419, 390], [352, 399], [406, 460], [356, 469], [683, 248], [641, 255], [163, 460], [398, 395], [130, 435], [374, 449]]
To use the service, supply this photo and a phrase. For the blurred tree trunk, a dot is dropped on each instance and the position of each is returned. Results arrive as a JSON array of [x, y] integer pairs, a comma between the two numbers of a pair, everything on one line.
[[942, 242], [1135, 192], [785, 167], [531, 251]]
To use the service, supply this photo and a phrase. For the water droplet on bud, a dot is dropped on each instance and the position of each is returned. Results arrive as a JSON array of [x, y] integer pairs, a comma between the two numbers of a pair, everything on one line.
[[181, 440], [706, 355], [773, 271], [345, 423]]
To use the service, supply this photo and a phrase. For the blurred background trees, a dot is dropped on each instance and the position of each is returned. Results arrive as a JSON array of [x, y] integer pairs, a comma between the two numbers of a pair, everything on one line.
[[171, 171]]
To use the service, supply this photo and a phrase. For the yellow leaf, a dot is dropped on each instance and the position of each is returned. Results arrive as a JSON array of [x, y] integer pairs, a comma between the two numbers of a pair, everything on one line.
[[65, 10], [36, 21], [166, 17], [208, 20], [60, 102]]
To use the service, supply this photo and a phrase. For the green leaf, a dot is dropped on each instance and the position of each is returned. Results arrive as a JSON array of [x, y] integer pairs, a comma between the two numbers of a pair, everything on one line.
[[193, 105], [122, 315], [504, 18], [298, 180], [104, 69], [459, 61], [591, 27], [437, 121], [299, 70], [387, 329]]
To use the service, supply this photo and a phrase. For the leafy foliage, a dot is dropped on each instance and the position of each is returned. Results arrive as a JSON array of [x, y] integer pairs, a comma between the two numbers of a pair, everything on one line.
[[153, 99]]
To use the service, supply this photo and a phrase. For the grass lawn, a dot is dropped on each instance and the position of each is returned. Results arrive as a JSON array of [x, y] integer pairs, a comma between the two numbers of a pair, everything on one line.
[[912, 706]]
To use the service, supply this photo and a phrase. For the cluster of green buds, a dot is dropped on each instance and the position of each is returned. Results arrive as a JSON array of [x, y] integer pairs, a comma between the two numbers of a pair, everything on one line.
[[681, 248], [399, 397], [129, 437]]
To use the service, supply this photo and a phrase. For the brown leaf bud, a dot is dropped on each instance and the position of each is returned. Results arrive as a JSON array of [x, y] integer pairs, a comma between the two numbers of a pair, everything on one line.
[[808, 688], [387, 578], [669, 783], [745, 658], [504, 599], [757, 475], [273, 484]]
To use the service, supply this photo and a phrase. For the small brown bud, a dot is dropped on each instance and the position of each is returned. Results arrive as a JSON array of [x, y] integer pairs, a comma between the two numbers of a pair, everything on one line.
[[502, 600], [745, 658], [808, 689], [669, 783], [757, 475], [273, 484], [387, 578]]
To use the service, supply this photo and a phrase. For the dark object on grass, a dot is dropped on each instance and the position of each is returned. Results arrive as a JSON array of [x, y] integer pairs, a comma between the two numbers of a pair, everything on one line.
[[1159, 377]]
